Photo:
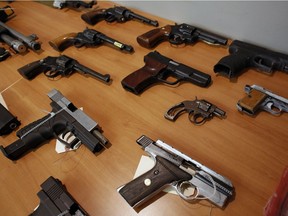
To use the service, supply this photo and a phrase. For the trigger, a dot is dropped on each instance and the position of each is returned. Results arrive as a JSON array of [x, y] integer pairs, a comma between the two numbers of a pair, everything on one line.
[[264, 64]]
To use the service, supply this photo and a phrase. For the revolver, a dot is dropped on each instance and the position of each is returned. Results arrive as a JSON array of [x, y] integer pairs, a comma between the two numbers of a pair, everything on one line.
[[244, 55], [178, 170], [118, 13], [63, 118], [199, 111], [179, 34], [159, 68], [259, 98], [88, 38], [58, 66]]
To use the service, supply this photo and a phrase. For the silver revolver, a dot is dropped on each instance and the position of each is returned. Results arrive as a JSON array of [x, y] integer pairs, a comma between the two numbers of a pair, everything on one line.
[[178, 170], [260, 98]]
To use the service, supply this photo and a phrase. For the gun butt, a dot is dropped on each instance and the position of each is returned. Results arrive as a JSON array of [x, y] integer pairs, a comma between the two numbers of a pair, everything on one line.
[[31, 70], [251, 102], [94, 16], [152, 182], [139, 80], [232, 65], [152, 38], [62, 42]]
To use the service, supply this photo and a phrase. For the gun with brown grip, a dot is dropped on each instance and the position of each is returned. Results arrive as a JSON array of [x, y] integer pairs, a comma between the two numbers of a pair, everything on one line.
[[117, 13], [62, 42], [87, 38], [179, 34], [159, 68]]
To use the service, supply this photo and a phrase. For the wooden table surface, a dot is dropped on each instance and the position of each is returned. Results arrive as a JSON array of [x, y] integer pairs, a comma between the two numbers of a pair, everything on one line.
[[251, 152]]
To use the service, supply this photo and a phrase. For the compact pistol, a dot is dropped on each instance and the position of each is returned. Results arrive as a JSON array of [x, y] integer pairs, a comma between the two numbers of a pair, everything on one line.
[[259, 98]]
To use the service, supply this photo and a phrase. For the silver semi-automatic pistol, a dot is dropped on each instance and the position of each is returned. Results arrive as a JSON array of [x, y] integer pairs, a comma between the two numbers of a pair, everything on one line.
[[259, 98], [178, 170]]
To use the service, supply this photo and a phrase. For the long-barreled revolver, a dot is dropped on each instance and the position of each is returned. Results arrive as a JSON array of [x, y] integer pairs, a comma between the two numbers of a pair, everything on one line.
[[179, 34], [58, 66], [17, 41], [159, 68], [73, 4], [87, 38], [118, 13], [259, 98], [56, 200], [178, 170], [199, 111], [245, 55], [63, 118]]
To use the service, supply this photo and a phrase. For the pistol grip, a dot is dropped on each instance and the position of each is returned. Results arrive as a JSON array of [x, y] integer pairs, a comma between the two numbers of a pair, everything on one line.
[[152, 182], [94, 16], [152, 38], [250, 103], [62, 42], [173, 113], [33, 135], [30, 71], [139, 80]]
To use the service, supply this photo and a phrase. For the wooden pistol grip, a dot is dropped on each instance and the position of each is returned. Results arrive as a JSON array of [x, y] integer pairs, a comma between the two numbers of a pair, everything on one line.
[[152, 38], [62, 42], [139, 80], [94, 16], [152, 182]]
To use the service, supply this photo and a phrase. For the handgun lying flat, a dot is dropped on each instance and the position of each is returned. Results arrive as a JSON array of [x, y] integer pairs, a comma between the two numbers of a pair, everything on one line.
[[178, 170]]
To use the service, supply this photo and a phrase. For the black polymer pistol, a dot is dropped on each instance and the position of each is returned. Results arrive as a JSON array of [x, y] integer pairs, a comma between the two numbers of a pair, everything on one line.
[[118, 13], [87, 38], [179, 34], [244, 55], [63, 118], [159, 68], [56, 200], [179, 171]]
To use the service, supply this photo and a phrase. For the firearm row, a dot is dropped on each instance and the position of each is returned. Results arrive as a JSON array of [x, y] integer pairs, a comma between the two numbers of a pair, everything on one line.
[[171, 166]]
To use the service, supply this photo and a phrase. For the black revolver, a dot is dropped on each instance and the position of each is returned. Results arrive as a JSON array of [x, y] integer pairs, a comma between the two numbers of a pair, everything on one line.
[[245, 55], [199, 111], [159, 68], [179, 34], [88, 38], [58, 66], [63, 118], [117, 13], [56, 200]]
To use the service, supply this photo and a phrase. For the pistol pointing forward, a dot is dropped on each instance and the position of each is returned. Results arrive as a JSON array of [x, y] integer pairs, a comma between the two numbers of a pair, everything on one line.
[[58, 66], [88, 38], [178, 170], [63, 118], [179, 34], [199, 111], [117, 13], [159, 68], [259, 98]]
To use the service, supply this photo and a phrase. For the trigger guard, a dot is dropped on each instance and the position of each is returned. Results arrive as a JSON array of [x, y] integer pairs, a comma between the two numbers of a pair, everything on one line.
[[180, 190], [269, 108], [193, 118]]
